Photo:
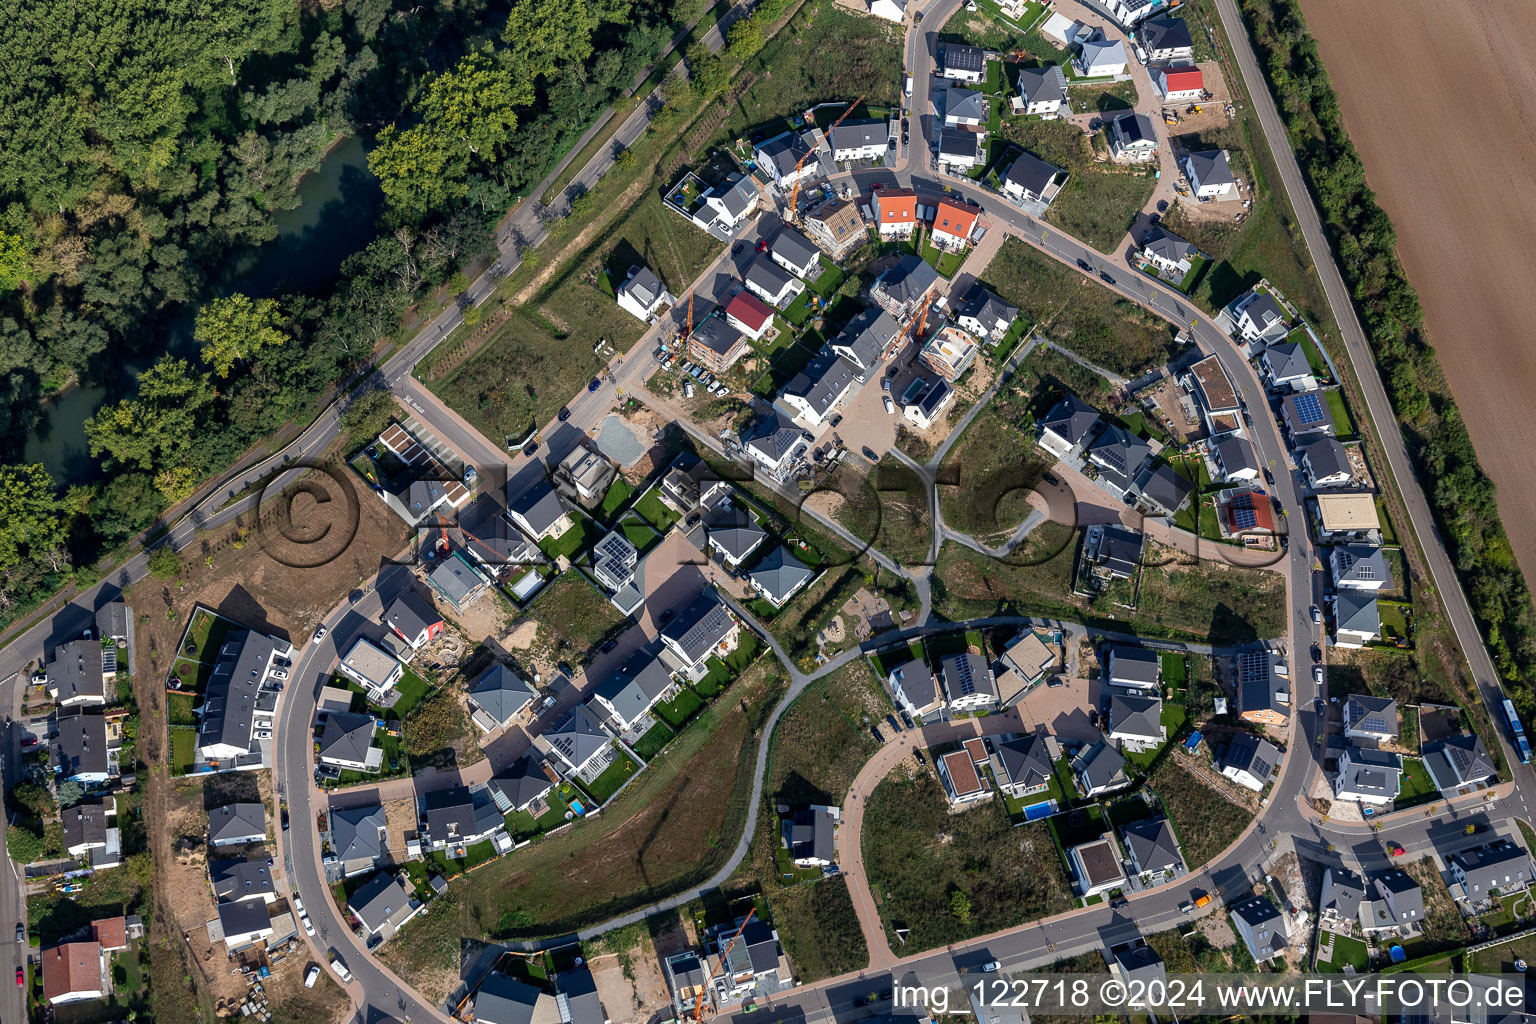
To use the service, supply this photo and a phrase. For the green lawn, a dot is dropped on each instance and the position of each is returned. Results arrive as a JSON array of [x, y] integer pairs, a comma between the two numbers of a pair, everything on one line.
[[649, 745], [1314, 354], [412, 689], [612, 777], [946, 263], [580, 535], [1343, 424], [656, 511], [679, 709], [522, 825], [614, 501], [828, 281], [183, 750], [180, 708], [1346, 951], [1174, 673], [1417, 787], [639, 534]]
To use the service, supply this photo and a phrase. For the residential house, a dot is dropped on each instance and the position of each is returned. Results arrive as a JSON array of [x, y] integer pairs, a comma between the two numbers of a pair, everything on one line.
[[813, 393], [689, 484], [114, 623], [540, 511], [425, 490], [895, 211], [642, 295], [859, 140], [242, 879], [504, 1000], [728, 205], [705, 628], [1164, 491], [613, 563], [88, 837], [383, 905], [1209, 174], [985, 315], [346, 741], [458, 580], [1022, 765], [750, 967], [1024, 663], [1100, 57], [76, 676], [1132, 137], [771, 283], [1368, 776], [966, 108], [925, 400], [716, 344], [1360, 567], [1136, 667], [1245, 513], [1137, 722], [244, 924], [1179, 83], [1234, 459], [890, 10], [1138, 967], [458, 817], [521, 786], [810, 835], [789, 157], [372, 668], [1099, 768], [866, 338], [746, 313], [1043, 90], [497, 698], [779, 576], [836, 226], [237, 823], [1401, 901], [1285, 365], [1168, 252], [1031, 180], [1119, 456], [1263, 695], [960, 148], [1369, 718], [1153, 847], [413, 619], [360, 838], [949, 353], [915, 689], [577, 998], [1219, 405], [1459, 764], [238, 696], [1166, 40], [1486, 872], [968, 683], [905, 287], [74, 972], [1096, 867], [954, 223], [1342, 517], [687, 976], [629, 692], [796, 253], [963, 63], [963, 784], [579, 740], [774, 444], [1116, 551], [1325, 463], [1261, 927], [1068, 428], [80, 751], [584, 475], [1250, 761], [1356, 618], [1341, 895], [1258, 317]]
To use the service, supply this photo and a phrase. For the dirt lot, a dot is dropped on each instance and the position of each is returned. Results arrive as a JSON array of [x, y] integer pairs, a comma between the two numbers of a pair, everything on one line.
[[1461, 238]]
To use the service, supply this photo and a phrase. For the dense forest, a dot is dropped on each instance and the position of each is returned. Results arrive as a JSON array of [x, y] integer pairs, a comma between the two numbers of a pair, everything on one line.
[[145, 143], [1461, 494]]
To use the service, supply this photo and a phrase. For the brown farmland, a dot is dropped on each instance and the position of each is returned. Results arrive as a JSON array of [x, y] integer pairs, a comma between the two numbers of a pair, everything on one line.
[[1440, 99]]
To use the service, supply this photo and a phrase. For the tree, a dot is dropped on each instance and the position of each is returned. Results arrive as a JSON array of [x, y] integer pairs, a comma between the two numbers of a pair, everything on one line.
[[960, 906], [237, 329], [70, 793], [547, 35], [32, 520], [24, 845], [746, 38], [34, 799], [473, 105], [15, 261], [175, 483], [155, 429], [706, 69], [164, 562]]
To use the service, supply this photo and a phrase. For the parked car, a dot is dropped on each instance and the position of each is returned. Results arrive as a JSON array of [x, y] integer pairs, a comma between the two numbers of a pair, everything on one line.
[[565, 413], [990, 967], [1202, 899], [279, 673], [594, 385], [1317, 615], [836, 420], [870, 454], [1397, 850], [1269, 476], [309, 926], [1085, 266], [762, 245], [1317, 674], [885, 385], [890, 407], [311, 976], [1317, 655], [1050, 478], [21, 978], [298, 903], [736, 249], [1105, 276], [21, 932], [88, 635], [320, 634], [340, 968]]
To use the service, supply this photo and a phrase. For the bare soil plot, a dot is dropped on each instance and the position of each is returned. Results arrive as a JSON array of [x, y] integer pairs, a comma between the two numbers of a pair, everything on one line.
[[1463, 233]]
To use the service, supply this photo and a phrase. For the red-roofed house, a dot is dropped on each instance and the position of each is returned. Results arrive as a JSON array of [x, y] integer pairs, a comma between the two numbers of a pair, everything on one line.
[[74, 972], [111, 933], [1245, 513], [749, 314], [895, 212], [1182, 82], [953, 224]]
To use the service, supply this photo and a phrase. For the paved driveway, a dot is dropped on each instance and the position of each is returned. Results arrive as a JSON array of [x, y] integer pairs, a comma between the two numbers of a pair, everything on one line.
[[1062, 710]]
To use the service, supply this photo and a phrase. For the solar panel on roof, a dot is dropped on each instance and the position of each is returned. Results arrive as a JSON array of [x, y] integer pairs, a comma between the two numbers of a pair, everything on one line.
[[1245, 518], [967, 683], [1375, 723], [1310, 409]]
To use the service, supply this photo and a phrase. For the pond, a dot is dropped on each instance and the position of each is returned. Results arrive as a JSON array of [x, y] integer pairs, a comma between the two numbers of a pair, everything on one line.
[[335, 218]]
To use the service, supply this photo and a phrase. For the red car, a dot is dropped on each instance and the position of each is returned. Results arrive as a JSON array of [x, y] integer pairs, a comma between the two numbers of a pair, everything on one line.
[[21, 978], [1397, 850]]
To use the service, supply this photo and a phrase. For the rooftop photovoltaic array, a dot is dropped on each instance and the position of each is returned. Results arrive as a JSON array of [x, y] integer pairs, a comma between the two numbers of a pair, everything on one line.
[[965, 683], [1245, 518], [1309, 408], [1253, 664]]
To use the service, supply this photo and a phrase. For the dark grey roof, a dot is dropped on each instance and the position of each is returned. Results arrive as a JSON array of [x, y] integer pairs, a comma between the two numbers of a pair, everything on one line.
[[1167, 245], [917, 682], [736, 194], [959, 142], [909, 280], [716, 335], [865, 336], [794, 247], [502, 693], [1467, 756], [1373, 772], [521, 783], [1211, 167], [1266, 925], [1042, 85], [762, 947], [1025, 761], [347, 737], [687, 971], [75, 671], [965, 58], [1287, 360], [1071, 419], [359, 833], [1235, 454], [784, 151], [85, 825], [1487, 867], [1119, 453], [1119, 549], [932, 396], [1153, 844], [381, 900], [1263, 310], [1407, 898], [1356, 610], [233, 822], [1251, 754], [410, 614], [635, 685], [578, 737], [1141, 964], [768, 275], [1165, 34], [113, 619], [988, 308], [1101, 765], [967, 103], [773, 436], [644, 286], [823, 380], [243, 918], [779, 573], [1030, 173], [456, 578], [967, 674], [579, 994], [81, 746], [240, 879], [1135, 128], [697, 628], [809, 832], [1166, 489], [1258, 681], [456, 813], [858, 134], [230, 701], [1371, 714], [1135, 716], [1325, 457], [733, 529], [540, 505], [1360, 563], [1135, 665], [504, 1000]]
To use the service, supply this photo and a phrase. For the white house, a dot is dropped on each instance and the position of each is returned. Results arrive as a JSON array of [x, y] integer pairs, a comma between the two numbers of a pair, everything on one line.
[[1250, 761], [1356, 618], [795, 253], [859, 140], [923, 407], [965, 108], [1234, 459], [1258, 316], [985, 315], [814, 392], [1166, 40], [774, 444], [788, 157], [1325, 463], [727, 206], [1179, 83], [1370, 718], [1096, 867], [1068, 427], [1137, 667], [1368, 776], [1031, 180], [1042, 91], [771, 283], [1168, 252], [372, 667], [642, 295], [915, 689], [890, 10], [960, 147], [1359, 567], [1137, 722], [969, 684], [1099, 57], [1209, 174], [963, 63], [1261, 927], [1286, 366], [954, 222], [1132, 137]]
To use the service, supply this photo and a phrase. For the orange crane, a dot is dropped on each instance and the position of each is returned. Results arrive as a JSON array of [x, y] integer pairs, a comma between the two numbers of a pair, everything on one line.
[[689, 333], [698, 1004], [794, 200], [915, 326]]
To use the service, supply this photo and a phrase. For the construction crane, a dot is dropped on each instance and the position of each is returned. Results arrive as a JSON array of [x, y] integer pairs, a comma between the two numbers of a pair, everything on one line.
[[794, 200], [698, 1003], [689, 333]]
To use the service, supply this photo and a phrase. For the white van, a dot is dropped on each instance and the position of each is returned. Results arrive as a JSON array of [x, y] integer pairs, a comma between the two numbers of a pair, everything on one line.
[[909, 85], [311, 976]]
